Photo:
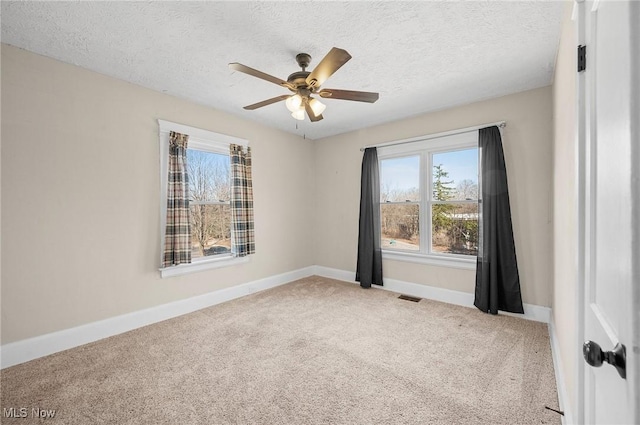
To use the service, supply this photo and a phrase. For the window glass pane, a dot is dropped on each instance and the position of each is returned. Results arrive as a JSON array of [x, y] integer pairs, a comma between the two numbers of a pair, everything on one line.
[[455, 228], [400, 226], [210, 230], [400, 179], [455, 175], [208, 176]]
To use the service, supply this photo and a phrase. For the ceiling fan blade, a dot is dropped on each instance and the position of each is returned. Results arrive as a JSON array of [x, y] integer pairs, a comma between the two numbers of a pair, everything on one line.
[[327, 66], [267, 102], [259, 74], [312, 116], [359, 96]]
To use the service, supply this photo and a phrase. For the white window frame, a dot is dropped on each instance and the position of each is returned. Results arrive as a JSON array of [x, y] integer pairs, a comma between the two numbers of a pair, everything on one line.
[[203, 140], [425, 147]]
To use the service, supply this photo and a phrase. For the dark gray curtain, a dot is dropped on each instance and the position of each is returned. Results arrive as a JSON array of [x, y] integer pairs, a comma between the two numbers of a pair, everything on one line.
[[369, 267], [497, 279]]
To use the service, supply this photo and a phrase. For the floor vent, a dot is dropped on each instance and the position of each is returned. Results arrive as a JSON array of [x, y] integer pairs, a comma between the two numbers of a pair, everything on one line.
[[409, 298]]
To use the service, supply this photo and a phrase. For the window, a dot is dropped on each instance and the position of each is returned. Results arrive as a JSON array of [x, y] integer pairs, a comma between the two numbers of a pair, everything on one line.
[[208, 168], [454, 202], [429, 200], [400, 203], [209, 196]]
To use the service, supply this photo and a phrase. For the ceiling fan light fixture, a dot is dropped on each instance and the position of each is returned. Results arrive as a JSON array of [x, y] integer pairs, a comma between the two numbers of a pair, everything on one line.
[[303, 84], [299, 114], [317, 106], [294, 103]]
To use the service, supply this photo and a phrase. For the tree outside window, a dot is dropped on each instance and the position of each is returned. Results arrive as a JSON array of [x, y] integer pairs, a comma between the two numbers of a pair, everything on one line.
[[209, 188]]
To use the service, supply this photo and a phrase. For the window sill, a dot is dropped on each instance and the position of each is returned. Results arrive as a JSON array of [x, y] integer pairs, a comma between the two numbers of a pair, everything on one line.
[[432, 260], [213, 263]]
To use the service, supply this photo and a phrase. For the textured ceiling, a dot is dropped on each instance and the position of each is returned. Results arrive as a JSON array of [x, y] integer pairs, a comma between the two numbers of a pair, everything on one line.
[[420, 56]]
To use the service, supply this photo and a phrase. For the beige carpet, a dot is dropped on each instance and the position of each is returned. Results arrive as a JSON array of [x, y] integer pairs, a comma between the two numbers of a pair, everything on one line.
[[315, 351]]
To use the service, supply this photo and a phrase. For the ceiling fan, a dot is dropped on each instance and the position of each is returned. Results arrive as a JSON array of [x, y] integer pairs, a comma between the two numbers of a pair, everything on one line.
[[303, 84]]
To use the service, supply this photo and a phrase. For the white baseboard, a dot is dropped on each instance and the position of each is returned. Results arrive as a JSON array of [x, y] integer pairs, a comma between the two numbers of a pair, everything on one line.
[[563, 399], [40, 346], [531, 311]]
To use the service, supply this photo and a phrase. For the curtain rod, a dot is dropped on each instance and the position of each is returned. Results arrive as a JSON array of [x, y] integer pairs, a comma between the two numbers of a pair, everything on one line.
[[501, 124]]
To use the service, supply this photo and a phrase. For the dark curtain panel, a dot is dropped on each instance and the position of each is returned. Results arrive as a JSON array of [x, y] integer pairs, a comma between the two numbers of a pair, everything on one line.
[[369, 267], [497, 280]]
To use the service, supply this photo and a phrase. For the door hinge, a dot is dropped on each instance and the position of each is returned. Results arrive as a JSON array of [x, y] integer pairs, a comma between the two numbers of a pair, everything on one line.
[[582, 58]]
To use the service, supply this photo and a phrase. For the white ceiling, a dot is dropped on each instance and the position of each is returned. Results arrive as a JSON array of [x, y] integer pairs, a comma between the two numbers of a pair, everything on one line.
[[420, 56]]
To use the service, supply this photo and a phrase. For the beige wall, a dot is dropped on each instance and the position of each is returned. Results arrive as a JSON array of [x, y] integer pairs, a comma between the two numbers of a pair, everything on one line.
[[565, 211], [80, 189], [528, 153]]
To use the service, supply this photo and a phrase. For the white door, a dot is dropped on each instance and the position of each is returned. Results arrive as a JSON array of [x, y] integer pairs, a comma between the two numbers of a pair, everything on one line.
[[611, 200]]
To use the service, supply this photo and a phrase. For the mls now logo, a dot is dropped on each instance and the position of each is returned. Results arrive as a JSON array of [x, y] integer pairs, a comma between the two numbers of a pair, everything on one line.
[[23, 412]]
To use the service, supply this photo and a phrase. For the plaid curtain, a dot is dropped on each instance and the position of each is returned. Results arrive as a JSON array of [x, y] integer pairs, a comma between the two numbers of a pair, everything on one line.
[[241, 202], [177, 243]]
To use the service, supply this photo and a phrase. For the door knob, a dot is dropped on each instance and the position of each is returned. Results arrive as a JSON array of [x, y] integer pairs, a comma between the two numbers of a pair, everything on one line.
[[594, 356]]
